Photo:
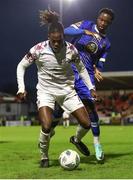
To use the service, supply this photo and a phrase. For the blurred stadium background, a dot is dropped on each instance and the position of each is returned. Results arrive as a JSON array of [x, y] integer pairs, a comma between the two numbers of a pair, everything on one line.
[[116, 107]]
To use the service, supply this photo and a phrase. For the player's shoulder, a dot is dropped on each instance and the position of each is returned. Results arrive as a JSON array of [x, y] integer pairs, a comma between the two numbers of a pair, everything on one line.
[[70, 46], [88, 22], [40, 46]]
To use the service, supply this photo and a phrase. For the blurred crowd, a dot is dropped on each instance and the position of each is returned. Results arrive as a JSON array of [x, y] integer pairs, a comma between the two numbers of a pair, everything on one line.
[[114, 108], [116, 105]]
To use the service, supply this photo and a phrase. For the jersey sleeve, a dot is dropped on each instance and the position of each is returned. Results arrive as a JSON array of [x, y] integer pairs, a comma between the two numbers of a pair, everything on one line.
[[102, 60], [27, 60], [84, 75], [77, 28], [86, 24], [82, 70], [74, 29]]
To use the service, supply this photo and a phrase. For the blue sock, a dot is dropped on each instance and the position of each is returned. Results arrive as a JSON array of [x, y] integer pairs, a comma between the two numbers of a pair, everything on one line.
[[94, 123]]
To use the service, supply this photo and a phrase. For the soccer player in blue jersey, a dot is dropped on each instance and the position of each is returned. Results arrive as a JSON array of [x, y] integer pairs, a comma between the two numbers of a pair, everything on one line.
[[93, 45]]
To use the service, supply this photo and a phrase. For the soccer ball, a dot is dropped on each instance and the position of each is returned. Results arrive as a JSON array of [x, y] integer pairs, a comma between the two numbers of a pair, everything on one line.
[[69, 159]]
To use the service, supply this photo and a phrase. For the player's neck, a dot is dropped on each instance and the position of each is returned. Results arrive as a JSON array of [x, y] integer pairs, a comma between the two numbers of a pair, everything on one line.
[[101, 33]]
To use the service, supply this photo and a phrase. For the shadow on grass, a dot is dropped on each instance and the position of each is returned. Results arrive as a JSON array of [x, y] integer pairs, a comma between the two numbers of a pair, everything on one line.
[[55, 162], [92, 160], [3, 142], [88, 159], [52, 162], [111, 156]]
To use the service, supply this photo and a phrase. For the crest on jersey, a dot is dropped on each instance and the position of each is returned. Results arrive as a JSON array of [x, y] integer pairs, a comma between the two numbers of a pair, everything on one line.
[[91, 47]]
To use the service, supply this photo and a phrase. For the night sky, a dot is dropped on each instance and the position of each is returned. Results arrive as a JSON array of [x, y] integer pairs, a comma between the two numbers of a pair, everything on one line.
[[20, 30]]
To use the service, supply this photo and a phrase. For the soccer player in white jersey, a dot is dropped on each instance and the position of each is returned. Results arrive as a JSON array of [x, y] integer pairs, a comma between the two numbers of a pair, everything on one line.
[[54, 58], [93, 45]]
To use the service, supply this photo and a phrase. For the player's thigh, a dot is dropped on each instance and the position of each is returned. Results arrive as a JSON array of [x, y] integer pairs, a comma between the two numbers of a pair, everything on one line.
[[89, 105], [72, 103], [82, 117], [45, 114], [45, 99], [45, 103]]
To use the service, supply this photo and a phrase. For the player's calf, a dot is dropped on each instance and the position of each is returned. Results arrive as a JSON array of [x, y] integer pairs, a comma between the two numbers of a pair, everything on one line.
[[44, 147]]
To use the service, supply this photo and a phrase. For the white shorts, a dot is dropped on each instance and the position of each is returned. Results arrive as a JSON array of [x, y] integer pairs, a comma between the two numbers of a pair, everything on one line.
[[69, 102]]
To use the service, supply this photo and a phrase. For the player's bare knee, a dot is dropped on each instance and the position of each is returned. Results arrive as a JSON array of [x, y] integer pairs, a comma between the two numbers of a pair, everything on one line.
[[46, 129], [86, 125]]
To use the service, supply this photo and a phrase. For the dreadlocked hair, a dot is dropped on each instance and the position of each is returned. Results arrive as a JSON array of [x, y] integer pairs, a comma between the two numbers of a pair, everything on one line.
[[48, 16], [55, 27]]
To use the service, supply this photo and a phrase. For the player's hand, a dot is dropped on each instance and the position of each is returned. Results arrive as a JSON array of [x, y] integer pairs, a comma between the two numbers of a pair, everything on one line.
[[22, 96], [75, 58], [95, 97], [93, 93], [95, 35], [98, 74]]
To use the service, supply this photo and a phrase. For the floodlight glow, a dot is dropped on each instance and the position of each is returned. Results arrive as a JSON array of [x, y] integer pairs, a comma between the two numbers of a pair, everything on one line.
[[61, 8], [69, 0]]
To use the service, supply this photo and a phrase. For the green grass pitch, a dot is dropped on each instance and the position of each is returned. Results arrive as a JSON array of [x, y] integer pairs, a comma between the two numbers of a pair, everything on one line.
[[19, 155]]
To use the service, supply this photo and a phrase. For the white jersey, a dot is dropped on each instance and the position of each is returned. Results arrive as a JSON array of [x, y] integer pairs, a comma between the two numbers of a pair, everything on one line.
[[55, 74]]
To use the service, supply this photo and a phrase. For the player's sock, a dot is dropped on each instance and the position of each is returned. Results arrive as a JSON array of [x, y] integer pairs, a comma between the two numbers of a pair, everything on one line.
[[64, 124], [67, 123], [44, 144], [96, 133], [94, 123], [80, 133], [96, 140], [52, 132]]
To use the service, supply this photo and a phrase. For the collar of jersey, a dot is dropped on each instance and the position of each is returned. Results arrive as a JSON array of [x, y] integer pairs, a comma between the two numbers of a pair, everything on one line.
[[47, 49], [96, 29]]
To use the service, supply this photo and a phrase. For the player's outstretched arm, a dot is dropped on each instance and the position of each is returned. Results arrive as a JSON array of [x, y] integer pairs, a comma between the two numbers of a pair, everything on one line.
[[21, 68], [98, 74]]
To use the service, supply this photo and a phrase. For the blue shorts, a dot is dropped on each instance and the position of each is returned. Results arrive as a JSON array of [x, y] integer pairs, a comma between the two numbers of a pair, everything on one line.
[[82, 90]]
